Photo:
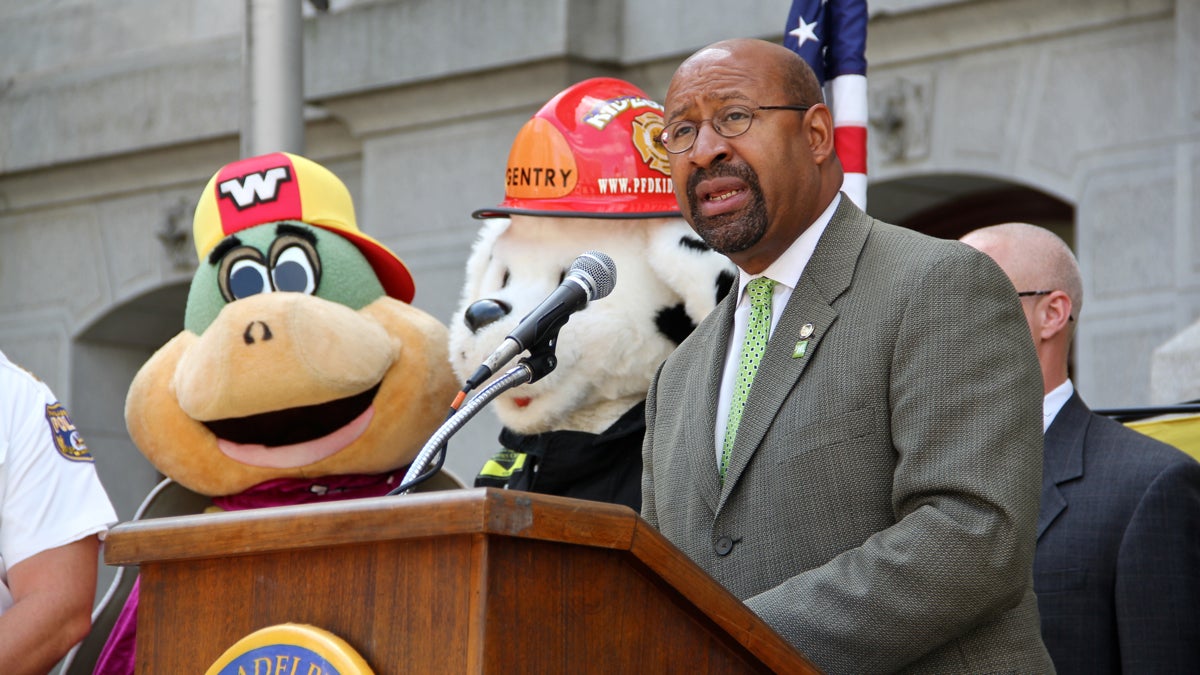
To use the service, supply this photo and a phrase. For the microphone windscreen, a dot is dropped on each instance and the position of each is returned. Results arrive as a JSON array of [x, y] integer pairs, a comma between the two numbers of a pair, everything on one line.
[[598, 271]]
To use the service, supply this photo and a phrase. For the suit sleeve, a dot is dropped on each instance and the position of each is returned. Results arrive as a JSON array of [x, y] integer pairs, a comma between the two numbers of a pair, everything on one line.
[[964, 398], [1157, 591], [648, 507]]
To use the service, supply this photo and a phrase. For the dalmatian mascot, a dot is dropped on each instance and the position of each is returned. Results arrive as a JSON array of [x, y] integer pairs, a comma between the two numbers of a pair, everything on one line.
[[586, 173]]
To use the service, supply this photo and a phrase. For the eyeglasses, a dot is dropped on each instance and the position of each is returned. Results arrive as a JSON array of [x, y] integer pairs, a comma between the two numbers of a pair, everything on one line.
[[730, 121], [1026, 294]]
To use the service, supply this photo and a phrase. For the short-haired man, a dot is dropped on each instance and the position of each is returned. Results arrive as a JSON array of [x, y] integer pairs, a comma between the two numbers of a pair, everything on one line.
[[1117, 568]]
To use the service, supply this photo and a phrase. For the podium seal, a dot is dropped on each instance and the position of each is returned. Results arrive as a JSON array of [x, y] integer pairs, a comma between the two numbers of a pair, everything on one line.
[[290, 649]]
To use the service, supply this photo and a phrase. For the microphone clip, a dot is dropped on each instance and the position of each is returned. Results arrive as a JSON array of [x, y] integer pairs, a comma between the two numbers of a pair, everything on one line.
[[542, 360]]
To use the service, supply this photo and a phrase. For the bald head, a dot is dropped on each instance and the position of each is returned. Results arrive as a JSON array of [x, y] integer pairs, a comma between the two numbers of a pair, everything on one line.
[[1038, 263], [1034, 258], [749, 194], [793, 73]]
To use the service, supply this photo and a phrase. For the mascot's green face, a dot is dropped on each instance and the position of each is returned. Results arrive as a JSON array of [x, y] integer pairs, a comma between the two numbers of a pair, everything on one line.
[[287, 256]]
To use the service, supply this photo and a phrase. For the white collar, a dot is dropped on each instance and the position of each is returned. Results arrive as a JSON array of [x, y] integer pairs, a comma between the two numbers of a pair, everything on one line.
[[1054, 401], [788, 267]]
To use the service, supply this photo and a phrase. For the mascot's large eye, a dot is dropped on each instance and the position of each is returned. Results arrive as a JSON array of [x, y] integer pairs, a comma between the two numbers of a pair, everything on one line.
[[293, 271], [246, 278], [242, 274], [295, 263]]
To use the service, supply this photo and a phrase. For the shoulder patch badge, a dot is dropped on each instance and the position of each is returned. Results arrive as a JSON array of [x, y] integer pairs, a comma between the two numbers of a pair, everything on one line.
[[66, 437]]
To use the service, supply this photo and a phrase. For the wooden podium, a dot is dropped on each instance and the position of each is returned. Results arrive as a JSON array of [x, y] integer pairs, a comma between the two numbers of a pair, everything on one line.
[[461, 581]]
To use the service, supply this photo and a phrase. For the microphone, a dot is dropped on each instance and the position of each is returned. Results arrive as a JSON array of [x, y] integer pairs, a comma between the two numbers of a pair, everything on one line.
[[592, 276]]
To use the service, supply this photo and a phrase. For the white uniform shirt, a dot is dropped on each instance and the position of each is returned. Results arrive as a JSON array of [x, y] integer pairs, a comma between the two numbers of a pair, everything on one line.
[[785, 271], [49, 492]]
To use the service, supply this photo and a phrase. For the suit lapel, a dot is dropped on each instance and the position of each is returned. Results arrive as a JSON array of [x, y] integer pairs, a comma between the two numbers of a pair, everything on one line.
[[705, 383], [1063, 458], [826, 276]]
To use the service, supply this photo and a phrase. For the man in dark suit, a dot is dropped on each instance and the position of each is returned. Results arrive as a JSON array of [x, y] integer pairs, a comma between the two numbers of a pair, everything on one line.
[[1117, 568], [871, 487]]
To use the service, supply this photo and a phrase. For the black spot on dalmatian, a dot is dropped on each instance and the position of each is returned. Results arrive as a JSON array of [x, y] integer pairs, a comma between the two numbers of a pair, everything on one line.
[[724, 284], [674, 323], [694, 243], [724, 280]]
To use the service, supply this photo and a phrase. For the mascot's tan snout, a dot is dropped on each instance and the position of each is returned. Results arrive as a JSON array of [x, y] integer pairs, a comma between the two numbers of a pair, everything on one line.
[[276, 351]]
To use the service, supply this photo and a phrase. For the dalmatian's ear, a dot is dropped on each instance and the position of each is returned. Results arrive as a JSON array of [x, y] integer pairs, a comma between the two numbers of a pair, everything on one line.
[[698, 274]]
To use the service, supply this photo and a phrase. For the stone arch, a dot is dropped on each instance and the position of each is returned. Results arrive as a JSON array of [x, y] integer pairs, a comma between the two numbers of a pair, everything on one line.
[[106, 354], [950, 205]]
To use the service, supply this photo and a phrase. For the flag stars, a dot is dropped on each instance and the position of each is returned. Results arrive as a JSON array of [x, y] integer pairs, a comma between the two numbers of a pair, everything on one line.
[[805, 32]]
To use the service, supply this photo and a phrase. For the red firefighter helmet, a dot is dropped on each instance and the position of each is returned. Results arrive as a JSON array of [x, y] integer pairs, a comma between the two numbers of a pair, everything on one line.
[[590, 152]]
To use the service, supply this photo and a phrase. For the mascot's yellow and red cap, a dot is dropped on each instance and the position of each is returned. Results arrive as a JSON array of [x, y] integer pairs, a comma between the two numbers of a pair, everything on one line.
[[283, 186], [590, 152]]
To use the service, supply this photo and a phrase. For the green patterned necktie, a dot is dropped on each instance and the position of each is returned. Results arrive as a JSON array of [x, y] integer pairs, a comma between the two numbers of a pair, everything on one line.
[[757, 332]]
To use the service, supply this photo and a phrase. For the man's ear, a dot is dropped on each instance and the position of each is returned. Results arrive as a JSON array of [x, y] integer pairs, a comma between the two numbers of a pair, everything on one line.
[[820, 132], [1056, 313]]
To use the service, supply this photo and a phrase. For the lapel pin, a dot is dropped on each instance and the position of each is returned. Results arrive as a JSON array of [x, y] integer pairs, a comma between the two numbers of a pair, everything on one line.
[[801, 348], [806, 330]]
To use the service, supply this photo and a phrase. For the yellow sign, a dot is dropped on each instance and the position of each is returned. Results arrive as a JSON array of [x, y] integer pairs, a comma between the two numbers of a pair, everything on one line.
[[1181, 431]]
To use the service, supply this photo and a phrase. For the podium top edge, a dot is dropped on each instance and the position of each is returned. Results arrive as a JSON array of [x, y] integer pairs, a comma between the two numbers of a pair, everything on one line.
[[485, 511]]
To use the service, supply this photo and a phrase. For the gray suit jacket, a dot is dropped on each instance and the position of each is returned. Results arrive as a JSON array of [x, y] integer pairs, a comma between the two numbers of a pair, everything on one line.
[[880, 503]]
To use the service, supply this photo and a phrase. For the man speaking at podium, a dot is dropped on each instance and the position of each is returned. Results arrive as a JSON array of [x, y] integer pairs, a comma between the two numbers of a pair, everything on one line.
[[851, 443]]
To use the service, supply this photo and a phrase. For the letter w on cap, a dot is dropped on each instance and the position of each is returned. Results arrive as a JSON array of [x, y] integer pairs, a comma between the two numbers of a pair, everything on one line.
[[255, 188]]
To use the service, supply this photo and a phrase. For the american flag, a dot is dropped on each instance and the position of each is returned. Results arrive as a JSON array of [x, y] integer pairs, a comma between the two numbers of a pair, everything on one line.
[[831, 35]]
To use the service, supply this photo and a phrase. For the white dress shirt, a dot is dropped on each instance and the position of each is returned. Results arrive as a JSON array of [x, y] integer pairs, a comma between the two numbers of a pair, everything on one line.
[[1054, 401], [785, 271]]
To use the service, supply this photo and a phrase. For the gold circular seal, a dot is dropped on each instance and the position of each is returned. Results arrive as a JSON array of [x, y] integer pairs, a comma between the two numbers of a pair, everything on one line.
[[290, 648]]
